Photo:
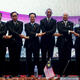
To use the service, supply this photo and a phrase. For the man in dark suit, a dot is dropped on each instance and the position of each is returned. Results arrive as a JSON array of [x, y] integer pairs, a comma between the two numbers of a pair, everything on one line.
[[2, 45], [77, 48], [32, 30], [64, 42], [14, 27], [48, 26]]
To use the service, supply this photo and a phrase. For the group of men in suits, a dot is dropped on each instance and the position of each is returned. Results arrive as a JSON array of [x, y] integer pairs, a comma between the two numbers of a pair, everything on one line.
[[48, 27]]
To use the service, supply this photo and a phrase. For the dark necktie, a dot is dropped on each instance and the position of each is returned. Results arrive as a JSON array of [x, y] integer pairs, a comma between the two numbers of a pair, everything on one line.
[[15, 23]]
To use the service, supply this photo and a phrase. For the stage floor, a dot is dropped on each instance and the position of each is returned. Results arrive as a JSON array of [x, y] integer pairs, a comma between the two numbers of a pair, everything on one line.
[[24, 77], [11, 68]]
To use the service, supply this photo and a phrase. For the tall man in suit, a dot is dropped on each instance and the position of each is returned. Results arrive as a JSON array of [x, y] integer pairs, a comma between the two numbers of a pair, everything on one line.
[[76, 32], [48, 26], [2, 45], [64, 42], [32, 30], [77, 47], [14, 27]]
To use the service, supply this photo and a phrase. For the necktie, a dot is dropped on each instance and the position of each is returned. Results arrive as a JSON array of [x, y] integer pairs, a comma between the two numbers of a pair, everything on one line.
[[65, 23], [48, 20], [15, 23], [32, 25]]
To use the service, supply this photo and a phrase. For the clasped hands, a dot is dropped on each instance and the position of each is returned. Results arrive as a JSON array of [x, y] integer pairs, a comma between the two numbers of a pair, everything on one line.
[[10, 36], [23, 36], [40, 35], [73, 32], [7, 36]]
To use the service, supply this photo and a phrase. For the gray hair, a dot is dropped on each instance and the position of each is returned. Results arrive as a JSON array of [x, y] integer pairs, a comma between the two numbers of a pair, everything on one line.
[[47, 11]]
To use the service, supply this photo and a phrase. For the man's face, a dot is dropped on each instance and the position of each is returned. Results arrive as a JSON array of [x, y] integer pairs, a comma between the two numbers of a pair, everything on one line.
[[32, 18], [0, 16], [49, 13], [14, 16], [65, 17]]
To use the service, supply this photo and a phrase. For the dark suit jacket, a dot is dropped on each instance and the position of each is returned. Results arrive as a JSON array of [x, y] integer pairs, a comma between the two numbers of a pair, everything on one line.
[[77, 41], [31, 32], [15, 30], [2, 33], [64, 30], [49, 28]]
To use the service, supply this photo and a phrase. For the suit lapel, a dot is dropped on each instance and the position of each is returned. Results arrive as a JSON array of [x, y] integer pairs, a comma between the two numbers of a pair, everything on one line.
[[63, 23], [45, 22], [15, 26], [1, 25], [67, 24]]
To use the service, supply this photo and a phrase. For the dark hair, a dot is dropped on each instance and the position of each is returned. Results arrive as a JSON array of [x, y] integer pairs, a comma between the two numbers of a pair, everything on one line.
[[32, 13], [13, 13], [1, 14]]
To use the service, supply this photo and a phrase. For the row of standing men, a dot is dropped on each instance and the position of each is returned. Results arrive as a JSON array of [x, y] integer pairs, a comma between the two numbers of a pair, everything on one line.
[[48, 26]]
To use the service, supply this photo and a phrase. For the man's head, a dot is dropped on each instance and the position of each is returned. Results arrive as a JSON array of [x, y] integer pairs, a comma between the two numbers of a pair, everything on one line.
[[14, 16], [0, 16], [32, 17], [65, 16], [48, 12]]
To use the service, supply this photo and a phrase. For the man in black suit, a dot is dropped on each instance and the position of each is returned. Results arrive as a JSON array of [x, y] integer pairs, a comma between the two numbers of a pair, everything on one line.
[[14, 27], [77, 47], [32, 30], [48, 27], [64, 42], [76, 32], [2, 45]]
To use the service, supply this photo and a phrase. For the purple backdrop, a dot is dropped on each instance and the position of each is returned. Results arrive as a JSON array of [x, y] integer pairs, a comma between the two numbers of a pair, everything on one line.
[[25, 18]]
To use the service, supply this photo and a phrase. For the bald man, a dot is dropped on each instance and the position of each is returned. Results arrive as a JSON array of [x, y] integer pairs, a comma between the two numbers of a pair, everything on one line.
[[64, 42]]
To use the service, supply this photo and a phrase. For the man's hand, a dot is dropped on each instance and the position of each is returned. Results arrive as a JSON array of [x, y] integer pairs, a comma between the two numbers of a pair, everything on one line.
[[7, 37], [57, 34], [40, 34], [25, 37], [71, 31], [76, 34]]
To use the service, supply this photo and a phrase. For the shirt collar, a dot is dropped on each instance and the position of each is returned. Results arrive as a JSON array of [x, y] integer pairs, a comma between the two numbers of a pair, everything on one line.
[[65, 21], [14, 21], [32, 23], [48, 18]]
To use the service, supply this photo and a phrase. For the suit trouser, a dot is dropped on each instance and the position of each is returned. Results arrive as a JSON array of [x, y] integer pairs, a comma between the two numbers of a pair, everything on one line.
[[14, 53], [77, 52], [64, 55], [2, 60], [30, 63], [47, 49]]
